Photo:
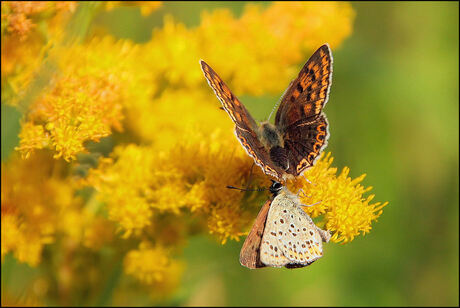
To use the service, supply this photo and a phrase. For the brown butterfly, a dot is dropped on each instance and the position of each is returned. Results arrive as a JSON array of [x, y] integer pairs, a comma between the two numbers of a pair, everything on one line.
[[300, 132], [283, 234]]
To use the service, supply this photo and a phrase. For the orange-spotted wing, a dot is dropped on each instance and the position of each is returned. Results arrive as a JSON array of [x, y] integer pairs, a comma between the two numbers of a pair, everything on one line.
[[300, 118], [245, 125]]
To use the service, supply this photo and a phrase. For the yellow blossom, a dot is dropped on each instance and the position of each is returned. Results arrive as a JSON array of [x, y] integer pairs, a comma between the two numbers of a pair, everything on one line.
[[154, 267], [35, 198], [140, 181], [75, 112], [347, 213], [17, 15], [96, 80], [82, 104], [98, 232], [174, 171], [174, 152], [269, 44], [32, 137], [17, 237], [24, 44]]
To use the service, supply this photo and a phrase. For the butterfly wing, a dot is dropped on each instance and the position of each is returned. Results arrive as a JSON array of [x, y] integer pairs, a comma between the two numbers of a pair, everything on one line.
[[290, 237], [270, 249], [250, 252], [235, 109], [257, 151], [308, 93], [300, 118], [304, 142], [245, 125]]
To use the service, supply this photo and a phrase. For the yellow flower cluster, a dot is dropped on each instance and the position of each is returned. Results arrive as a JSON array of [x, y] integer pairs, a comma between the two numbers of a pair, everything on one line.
[[163, 76], [83, 102], [28, 29], [137, 182], [175, 152], [276, 39], [346, 212], [249, 53], [75, 110], [34, 199], [154, 267], [17, 16], [39, 203]]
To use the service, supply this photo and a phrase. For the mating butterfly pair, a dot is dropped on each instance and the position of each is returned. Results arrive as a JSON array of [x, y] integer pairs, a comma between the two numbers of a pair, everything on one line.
[[283, 234]]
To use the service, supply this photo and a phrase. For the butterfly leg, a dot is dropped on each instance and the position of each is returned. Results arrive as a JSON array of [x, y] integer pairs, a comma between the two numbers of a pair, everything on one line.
[[308, 181], [308, 205], [303, 192]]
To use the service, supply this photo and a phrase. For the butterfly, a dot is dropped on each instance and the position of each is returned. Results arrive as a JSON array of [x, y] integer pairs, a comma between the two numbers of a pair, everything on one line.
[[283, 234], [300, 132]]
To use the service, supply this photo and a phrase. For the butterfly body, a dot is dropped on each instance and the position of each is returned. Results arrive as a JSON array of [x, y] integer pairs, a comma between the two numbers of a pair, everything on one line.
[[300, 131], [272, 140]]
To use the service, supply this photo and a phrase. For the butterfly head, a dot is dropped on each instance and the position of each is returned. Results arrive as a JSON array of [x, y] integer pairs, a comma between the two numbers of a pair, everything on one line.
[[276, 187]]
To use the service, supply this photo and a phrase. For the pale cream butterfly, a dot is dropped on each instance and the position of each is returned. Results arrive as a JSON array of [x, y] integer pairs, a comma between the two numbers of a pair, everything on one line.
[[289, 237]]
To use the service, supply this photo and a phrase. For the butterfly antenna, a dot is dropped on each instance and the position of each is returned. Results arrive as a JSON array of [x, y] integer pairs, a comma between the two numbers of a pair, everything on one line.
[[274, 108], [244, 189], [278, 103]]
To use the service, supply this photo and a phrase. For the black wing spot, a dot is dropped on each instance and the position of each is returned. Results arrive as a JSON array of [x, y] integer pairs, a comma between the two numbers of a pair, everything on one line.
[[300, 88], [220, 86], [312, 75]]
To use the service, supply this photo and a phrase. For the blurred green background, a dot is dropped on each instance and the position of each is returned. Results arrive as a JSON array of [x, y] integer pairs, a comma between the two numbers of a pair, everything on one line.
[[393, 114]]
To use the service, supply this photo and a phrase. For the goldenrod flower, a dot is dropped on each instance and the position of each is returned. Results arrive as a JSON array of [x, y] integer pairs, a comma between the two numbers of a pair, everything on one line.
[[35, 199], [96, 80], [154, 267], [17, 15], [347, 213], [24, 44], [175, 153], [267, 67], [98, 232], [25, 243], [32, 137], [137, 182], [75, 110], [276, 39]]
